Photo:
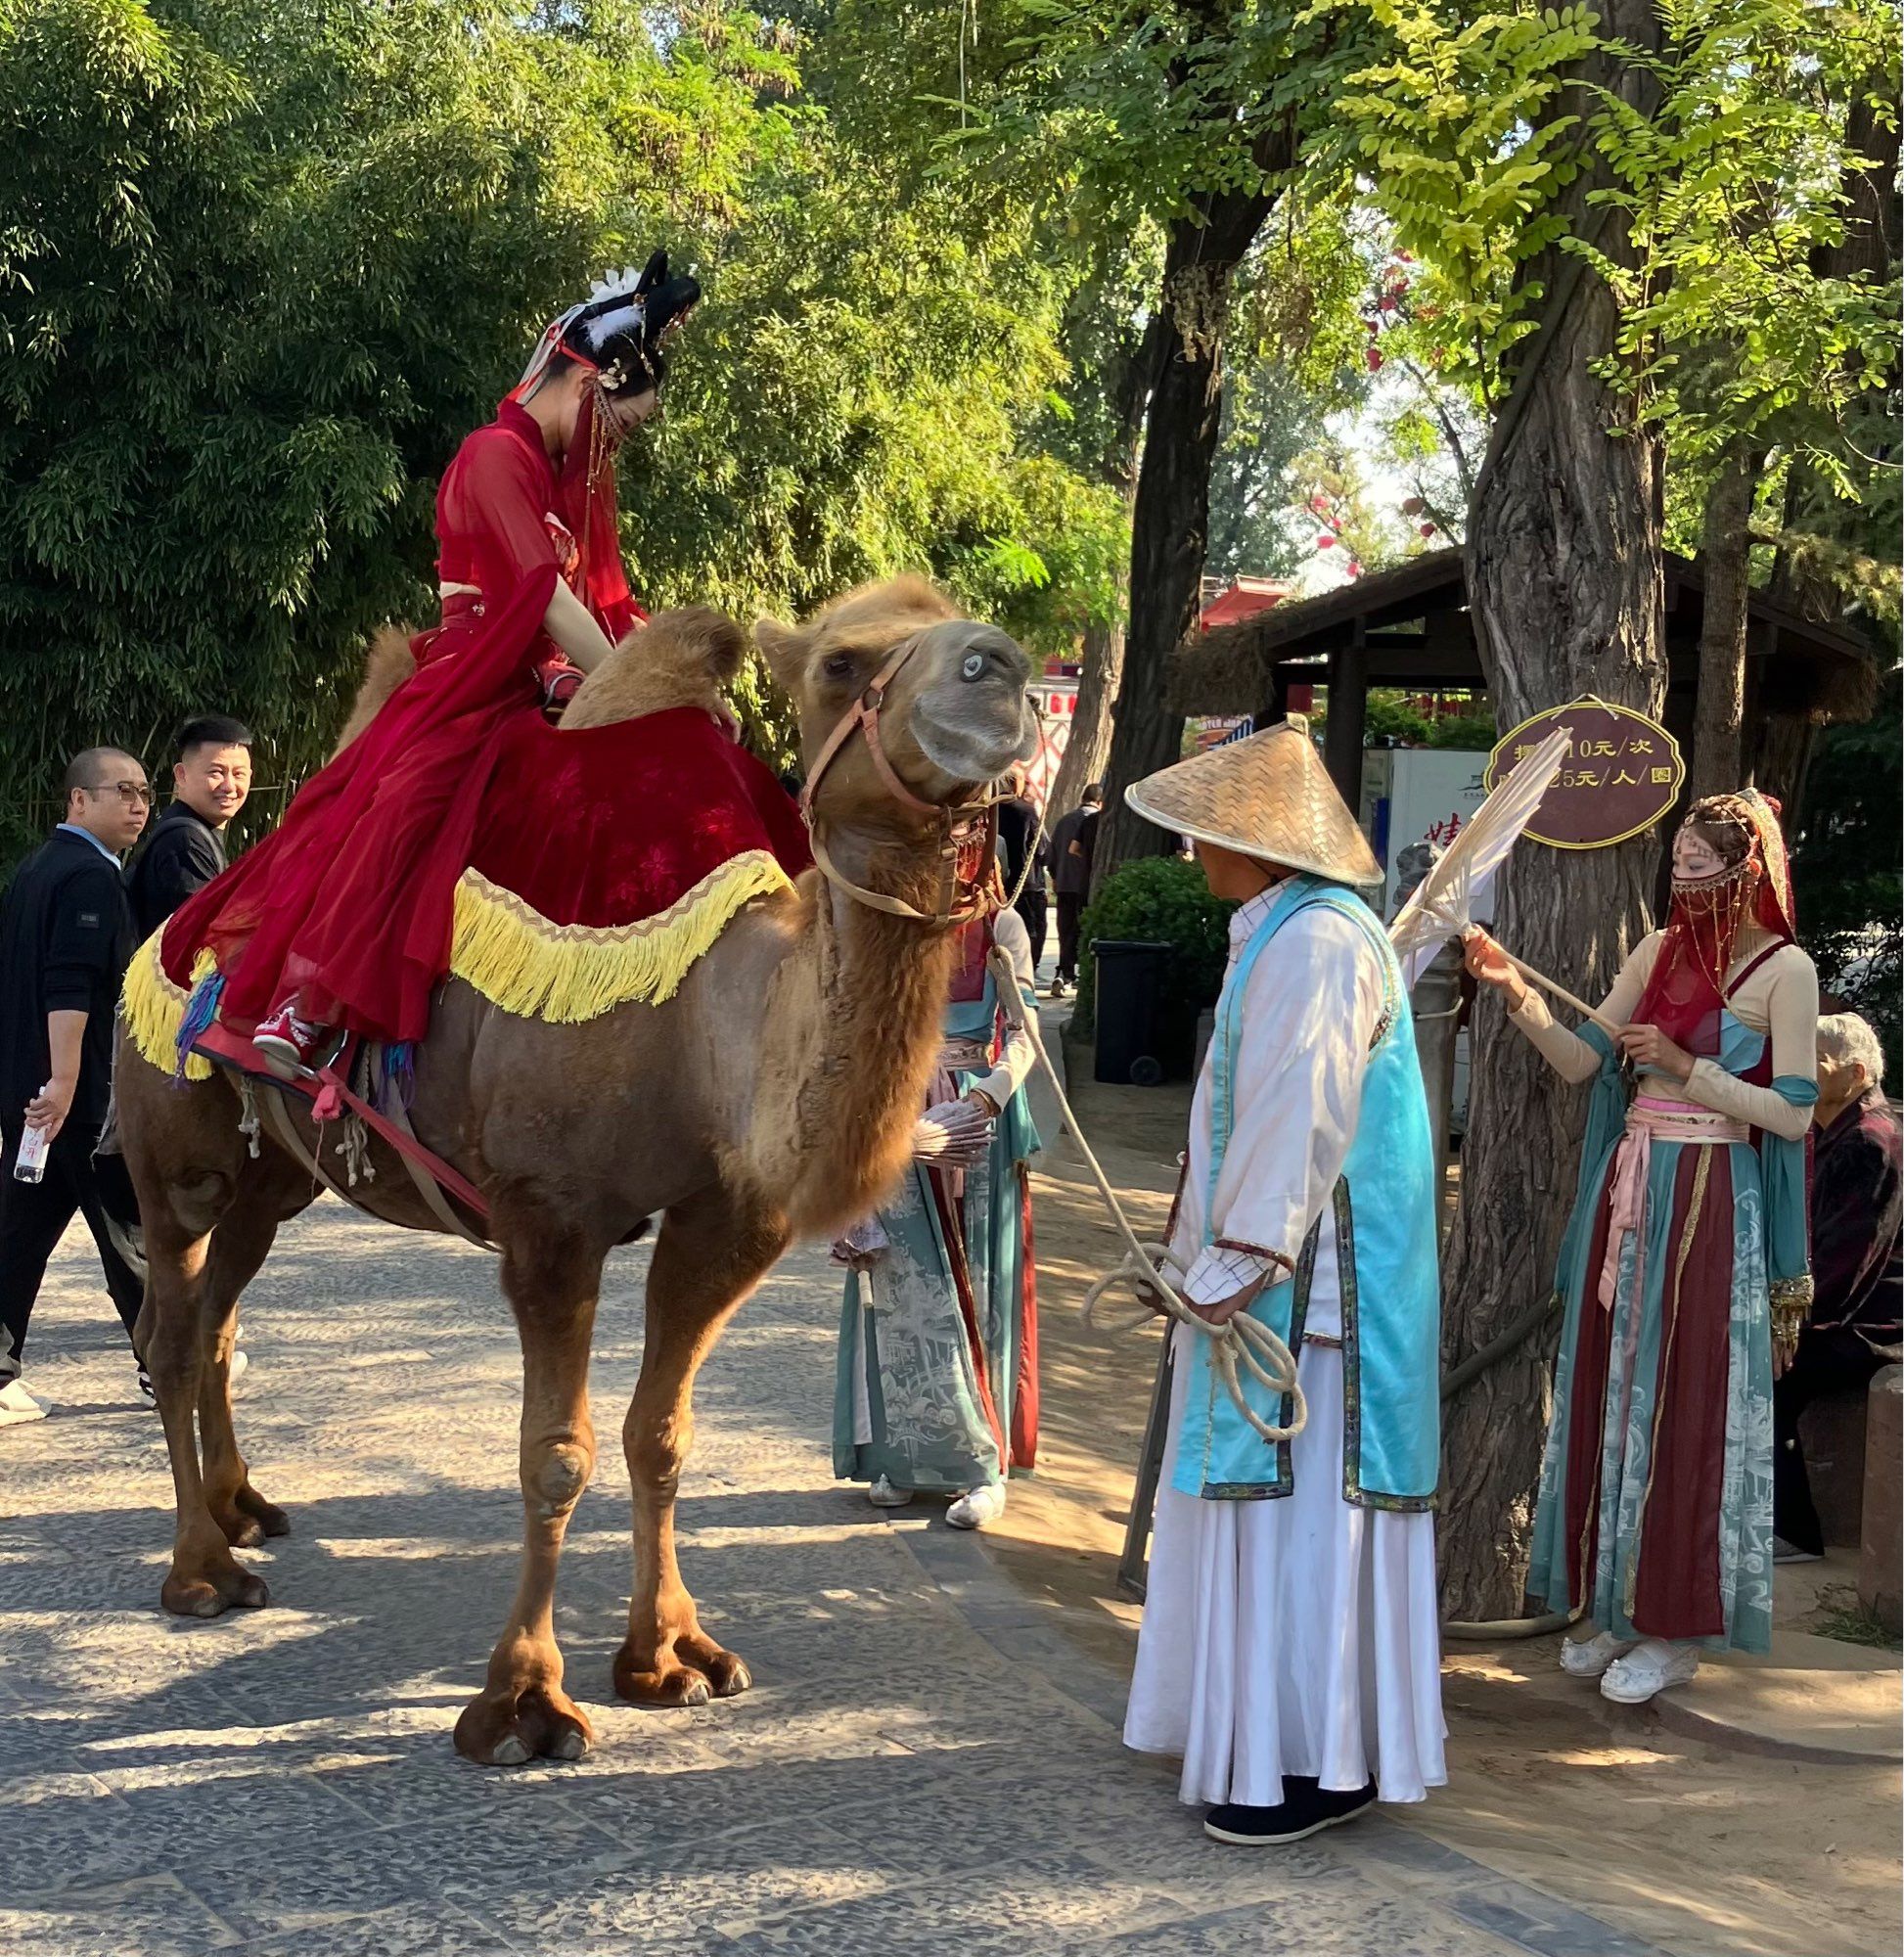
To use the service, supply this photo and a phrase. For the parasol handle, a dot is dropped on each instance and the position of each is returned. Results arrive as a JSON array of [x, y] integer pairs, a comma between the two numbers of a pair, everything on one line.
[[1559, 992]]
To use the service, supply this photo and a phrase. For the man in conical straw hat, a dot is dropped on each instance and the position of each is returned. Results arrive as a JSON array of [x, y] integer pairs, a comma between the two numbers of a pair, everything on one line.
[[1290, 1650]]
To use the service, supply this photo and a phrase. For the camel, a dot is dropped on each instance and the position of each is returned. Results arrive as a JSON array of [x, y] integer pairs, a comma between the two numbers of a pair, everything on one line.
[[771, 1098]]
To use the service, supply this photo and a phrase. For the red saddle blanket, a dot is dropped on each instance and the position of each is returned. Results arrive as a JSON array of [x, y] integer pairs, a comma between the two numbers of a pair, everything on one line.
[[603, 861]]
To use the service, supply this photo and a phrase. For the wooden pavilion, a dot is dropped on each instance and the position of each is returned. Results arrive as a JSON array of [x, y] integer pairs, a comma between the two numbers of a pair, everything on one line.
[[1409, 627]]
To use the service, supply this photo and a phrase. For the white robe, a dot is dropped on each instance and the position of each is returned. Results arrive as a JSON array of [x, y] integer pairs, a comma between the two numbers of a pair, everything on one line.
[[1296, 1634]]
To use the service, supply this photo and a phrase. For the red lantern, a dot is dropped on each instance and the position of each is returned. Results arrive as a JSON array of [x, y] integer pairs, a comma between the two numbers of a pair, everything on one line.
[[1324, 543], [1375, 361]]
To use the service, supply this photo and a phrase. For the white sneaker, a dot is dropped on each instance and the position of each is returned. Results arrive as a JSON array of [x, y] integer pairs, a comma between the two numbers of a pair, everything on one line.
[[1589, 1657], [18, 1406], [883, 1495], [978, 1506], [1648, 1669]]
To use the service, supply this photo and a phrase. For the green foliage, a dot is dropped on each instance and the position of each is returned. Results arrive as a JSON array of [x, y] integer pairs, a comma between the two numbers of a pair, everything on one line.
[[1844, 867], [1167, 900], [1469, 733], [261, 270], [1457, 124], [1475, 130]]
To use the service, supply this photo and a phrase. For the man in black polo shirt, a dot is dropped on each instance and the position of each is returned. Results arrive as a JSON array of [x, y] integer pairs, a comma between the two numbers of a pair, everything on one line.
[[186, 849], [66, 937]]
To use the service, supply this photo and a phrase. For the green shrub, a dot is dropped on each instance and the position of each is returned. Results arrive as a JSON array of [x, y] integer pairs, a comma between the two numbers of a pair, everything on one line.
[[1166, 900]]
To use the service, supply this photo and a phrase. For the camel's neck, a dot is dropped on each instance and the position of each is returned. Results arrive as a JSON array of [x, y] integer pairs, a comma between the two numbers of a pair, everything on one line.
[[879, 987]]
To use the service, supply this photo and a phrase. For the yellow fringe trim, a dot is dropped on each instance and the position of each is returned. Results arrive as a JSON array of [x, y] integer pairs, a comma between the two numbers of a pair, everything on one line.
[[566, 973], [154, 1009]]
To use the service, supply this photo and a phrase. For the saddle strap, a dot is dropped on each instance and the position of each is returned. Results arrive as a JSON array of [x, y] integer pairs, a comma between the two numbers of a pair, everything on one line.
[[428, 1185]]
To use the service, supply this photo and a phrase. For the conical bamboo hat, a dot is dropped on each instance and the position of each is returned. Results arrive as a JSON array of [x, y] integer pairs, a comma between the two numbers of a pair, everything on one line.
[[1268, 796]]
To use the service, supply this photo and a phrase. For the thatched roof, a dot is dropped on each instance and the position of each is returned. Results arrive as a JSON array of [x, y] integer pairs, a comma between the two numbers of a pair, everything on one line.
[[1413, 624]]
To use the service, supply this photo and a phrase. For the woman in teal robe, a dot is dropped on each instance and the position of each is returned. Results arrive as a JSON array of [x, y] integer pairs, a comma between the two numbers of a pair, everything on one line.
[[1683, 1271], [938, 1383]]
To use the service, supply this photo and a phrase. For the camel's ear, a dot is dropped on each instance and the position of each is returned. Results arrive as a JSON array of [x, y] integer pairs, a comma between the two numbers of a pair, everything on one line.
[[784, 648]]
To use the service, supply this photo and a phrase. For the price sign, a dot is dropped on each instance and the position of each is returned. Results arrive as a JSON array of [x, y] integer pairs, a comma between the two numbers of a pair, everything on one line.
[[1621, 774]]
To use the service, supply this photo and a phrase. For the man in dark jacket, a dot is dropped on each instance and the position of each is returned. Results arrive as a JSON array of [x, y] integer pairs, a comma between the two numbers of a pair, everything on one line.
[[186, 849], [1018, 827], [1073, 844], [66, 938], [1857, 1269]]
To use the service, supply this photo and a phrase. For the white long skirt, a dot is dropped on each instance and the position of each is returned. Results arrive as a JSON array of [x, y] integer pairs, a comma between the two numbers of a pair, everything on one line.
[[1296, 1635]]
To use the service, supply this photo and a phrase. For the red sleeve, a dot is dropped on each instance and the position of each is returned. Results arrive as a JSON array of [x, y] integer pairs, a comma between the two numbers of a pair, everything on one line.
[[494, 505]]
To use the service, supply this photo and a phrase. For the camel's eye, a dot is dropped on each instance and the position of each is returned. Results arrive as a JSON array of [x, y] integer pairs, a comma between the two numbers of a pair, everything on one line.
[[838, 665]]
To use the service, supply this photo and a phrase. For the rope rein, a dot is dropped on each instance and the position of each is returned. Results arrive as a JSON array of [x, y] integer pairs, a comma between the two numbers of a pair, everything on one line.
[[1244, 1345]]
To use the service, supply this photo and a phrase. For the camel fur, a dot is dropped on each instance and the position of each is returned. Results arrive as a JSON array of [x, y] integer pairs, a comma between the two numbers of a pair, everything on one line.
[[389, 664], [772, 1096]]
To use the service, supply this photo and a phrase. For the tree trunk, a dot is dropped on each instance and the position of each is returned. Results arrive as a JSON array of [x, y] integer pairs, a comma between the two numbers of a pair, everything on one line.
[[1566, 587], [1170, 521], [1087, 752], [1870, 245], [1088, 747], [1719, 761]]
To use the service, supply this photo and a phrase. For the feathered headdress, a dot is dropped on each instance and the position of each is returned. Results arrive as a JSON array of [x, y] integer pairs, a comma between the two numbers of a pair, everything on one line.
[[618, 330]]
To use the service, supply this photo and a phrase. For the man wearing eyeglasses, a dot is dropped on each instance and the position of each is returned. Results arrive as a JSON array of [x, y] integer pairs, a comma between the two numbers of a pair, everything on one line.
[[66, 938]]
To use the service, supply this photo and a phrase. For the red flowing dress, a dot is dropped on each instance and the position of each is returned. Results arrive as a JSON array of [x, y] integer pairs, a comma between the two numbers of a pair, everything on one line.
[[350, 901]]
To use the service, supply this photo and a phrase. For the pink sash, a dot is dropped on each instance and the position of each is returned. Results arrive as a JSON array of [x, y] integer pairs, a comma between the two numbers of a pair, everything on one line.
[[1669, 1121]]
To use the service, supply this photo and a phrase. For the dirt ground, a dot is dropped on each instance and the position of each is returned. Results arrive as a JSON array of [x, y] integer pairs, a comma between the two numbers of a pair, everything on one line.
[[1696, 1847]]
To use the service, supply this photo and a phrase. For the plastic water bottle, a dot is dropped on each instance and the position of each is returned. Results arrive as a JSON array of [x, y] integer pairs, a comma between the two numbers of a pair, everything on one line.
[[30, 1165]]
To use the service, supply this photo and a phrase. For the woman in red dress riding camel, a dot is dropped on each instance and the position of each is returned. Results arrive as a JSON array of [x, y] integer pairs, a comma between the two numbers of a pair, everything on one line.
[[340, 920]]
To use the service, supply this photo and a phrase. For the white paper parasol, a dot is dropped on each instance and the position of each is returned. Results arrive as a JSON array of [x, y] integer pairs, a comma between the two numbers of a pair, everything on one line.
[[1442, 905]]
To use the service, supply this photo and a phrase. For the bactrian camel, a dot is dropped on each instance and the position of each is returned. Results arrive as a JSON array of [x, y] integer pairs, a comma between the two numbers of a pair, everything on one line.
[[772, 1097]]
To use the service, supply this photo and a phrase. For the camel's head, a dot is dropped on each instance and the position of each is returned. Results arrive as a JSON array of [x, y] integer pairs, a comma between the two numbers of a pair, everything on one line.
[[955, 714]]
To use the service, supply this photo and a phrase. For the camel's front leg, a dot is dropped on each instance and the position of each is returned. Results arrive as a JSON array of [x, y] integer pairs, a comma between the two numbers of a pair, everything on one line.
[[239, 1249], [522, 1711], [710, 1253], [205, 1579]]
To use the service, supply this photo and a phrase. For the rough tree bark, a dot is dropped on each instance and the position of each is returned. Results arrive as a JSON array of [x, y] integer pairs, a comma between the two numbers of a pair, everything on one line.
[[1087, 752], [1783, 742], [1170, 521], [1719, 761], [1565, 586]]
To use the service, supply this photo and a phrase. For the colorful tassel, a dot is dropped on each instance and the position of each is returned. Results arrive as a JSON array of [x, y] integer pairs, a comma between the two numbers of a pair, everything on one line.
[[200, 1014], [153, 1008]]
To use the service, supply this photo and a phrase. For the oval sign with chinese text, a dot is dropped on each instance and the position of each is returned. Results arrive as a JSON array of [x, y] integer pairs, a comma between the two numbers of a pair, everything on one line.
[[1623, 773]]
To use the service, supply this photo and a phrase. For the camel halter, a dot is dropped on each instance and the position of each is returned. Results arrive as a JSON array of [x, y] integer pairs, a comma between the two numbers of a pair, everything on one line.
[[960, 825]]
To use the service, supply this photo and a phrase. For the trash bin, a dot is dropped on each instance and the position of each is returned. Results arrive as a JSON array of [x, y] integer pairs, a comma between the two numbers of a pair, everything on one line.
[[1130, 1022]]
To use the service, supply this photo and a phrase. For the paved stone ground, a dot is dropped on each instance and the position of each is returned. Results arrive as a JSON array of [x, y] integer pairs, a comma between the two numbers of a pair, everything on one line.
[[915, 1770]]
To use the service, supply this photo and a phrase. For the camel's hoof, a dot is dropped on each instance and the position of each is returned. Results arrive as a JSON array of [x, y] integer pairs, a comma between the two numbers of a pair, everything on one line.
[[211, 1596], [504, 1729], [241, 1531], [713, 1673], [270, 1519], [728, 1676]]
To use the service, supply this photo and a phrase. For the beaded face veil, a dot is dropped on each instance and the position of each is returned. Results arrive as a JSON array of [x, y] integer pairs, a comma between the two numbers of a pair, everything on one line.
[[1686, 989]]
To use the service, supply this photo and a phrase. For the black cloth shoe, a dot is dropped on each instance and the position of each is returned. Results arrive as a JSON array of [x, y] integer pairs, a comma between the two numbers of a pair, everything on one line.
[[1304, 1809]]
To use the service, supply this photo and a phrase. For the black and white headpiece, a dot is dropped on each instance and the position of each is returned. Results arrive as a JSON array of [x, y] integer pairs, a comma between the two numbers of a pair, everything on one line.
[[619, 329]]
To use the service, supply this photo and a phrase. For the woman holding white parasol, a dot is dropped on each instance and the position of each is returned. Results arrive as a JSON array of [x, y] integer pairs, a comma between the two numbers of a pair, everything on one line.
[[1683, 1270]]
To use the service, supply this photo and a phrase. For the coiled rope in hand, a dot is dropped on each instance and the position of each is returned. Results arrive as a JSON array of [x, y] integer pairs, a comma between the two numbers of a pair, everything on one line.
[[1244, 1345]]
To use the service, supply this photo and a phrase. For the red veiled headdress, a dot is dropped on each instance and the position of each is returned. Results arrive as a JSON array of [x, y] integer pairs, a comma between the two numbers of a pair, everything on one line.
[[617, 333], [1687, 988]]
